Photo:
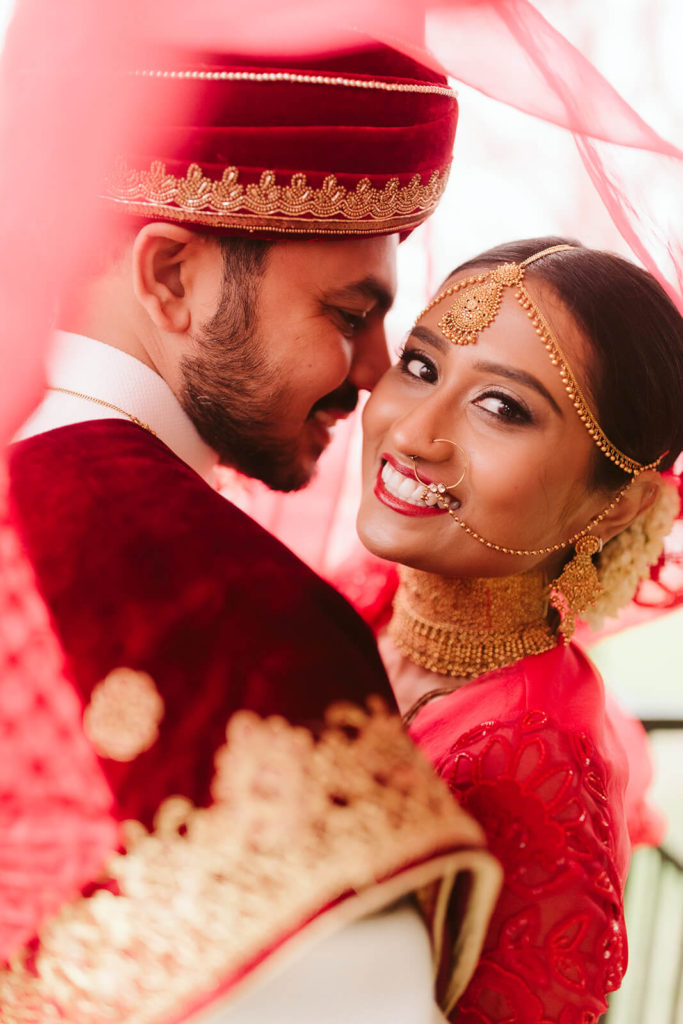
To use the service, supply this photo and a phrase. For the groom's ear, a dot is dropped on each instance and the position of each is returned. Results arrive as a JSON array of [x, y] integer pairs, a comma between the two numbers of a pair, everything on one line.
[[177, 276]]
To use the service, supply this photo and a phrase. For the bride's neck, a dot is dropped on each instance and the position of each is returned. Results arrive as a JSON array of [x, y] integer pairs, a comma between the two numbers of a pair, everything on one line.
[[466, 627]]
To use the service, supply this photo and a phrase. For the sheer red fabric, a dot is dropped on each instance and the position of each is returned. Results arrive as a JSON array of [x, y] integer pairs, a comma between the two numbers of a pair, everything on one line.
[[56, 79], [538, 71], [55, 827], [532, 754]]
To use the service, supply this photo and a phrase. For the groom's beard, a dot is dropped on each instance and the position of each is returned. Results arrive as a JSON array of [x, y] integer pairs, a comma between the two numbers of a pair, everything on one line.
[[235, 400]]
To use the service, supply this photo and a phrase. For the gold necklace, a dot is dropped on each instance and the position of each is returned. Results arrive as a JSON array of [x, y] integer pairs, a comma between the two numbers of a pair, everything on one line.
[[107, 405], [465, 627]]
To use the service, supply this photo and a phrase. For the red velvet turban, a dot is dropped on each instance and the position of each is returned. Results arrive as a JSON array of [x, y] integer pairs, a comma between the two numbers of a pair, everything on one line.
[[358, 143]]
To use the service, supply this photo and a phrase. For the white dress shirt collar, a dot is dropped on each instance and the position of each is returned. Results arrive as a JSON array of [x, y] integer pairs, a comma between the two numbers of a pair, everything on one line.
[[100, 371]]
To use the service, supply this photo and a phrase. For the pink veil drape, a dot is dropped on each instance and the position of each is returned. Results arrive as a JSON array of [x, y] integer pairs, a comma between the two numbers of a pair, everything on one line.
[[64, 111]]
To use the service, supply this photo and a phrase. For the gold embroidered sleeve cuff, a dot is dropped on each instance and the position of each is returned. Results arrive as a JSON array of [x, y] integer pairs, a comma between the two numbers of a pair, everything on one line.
[[306, 834]]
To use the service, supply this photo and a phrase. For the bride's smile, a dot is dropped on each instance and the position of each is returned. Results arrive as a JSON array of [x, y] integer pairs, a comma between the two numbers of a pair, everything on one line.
[[398, 487], [493, 416]]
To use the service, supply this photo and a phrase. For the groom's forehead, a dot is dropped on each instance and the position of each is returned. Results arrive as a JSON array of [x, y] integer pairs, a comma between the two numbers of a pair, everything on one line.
[[362, 273]]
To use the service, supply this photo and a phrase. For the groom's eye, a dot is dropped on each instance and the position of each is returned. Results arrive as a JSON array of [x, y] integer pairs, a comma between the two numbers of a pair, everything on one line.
[[417, 364], [352, 322]]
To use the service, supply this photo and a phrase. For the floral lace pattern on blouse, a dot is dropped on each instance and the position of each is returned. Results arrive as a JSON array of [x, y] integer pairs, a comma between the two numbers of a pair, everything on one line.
[[556, 943]]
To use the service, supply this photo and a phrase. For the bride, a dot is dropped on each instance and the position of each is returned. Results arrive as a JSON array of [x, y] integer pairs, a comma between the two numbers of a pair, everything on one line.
[[513, 463]]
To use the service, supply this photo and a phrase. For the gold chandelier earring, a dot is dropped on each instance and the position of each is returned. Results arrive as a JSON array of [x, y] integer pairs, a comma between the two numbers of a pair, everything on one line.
[[578, 585]]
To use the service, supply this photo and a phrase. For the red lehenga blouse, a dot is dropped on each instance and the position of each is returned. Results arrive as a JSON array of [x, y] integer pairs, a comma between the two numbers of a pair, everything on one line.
[[532, 752]]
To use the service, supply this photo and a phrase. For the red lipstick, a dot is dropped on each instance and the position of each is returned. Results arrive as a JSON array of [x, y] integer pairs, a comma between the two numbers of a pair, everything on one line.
[[397, 504]]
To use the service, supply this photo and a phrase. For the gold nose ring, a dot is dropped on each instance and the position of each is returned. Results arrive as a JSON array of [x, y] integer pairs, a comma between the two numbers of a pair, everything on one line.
[[440, 488]]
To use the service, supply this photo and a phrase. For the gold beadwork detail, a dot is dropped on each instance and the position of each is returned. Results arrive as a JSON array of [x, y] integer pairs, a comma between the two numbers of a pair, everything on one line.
[[578, 585], [343, 822], [297, 206], [123, 716], [477, 306], [465, 627], [296, 78]]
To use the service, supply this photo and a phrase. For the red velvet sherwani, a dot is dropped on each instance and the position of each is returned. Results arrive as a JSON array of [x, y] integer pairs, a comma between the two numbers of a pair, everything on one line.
[[239, 709]]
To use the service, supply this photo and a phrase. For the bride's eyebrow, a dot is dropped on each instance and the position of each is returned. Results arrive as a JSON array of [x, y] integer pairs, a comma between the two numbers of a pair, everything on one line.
[[520, 377], [437, 341]]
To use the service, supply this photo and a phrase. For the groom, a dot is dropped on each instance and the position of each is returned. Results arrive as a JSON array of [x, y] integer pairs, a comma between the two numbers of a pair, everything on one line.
[[231, 313]]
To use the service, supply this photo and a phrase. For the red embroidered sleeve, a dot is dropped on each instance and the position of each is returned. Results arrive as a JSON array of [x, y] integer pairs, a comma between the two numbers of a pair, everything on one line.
[[556, 943]]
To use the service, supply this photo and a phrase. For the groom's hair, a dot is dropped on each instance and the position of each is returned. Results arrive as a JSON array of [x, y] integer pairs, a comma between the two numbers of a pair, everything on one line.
[[244, 263]]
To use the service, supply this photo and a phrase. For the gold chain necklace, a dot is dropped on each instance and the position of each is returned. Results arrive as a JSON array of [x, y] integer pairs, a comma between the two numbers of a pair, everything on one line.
[[107, 405], [466, 627]]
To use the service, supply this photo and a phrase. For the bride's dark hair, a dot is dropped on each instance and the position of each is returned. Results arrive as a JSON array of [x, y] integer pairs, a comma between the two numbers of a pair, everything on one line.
[[636, 332]]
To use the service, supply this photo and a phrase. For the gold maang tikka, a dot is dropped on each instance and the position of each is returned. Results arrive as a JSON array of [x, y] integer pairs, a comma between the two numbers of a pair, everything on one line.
[[476, 304]]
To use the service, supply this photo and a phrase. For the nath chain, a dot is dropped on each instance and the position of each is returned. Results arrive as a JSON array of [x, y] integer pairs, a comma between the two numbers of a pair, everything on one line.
[[551, 547]]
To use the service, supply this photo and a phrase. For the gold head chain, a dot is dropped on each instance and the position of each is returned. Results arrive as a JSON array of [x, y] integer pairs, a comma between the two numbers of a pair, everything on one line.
[[477, 303]]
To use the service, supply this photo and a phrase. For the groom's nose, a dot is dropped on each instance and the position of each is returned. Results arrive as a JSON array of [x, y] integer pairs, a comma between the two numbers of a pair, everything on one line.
[[370, 359]]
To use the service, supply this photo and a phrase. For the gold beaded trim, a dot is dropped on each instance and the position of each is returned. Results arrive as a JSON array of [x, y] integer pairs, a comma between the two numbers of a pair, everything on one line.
[[476, 306], [465, 627], [281, 226], [296, 78], [294, 208]]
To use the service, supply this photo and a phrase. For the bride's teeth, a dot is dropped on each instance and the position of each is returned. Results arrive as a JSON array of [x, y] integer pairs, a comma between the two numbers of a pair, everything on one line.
[[403, 487], [398, 484]]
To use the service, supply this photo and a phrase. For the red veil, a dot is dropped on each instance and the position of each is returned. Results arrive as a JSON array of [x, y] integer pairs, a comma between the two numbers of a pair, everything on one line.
[[65, 111]]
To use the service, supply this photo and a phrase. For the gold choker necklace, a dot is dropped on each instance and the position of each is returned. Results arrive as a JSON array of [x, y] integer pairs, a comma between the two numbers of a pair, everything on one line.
[[465, 627]]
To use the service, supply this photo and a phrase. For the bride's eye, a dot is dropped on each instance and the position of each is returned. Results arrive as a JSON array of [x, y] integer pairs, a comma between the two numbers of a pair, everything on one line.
[[417, 364], [504, 407]]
